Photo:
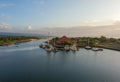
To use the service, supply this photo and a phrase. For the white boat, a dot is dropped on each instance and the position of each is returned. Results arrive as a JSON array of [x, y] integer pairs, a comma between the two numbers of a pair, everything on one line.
[[74, 48], [47, 46], [67, 48], [88, 47], [97, 49], [48, 49]]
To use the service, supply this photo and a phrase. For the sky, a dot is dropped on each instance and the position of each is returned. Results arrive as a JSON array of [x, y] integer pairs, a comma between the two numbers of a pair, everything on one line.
[[41, 16]]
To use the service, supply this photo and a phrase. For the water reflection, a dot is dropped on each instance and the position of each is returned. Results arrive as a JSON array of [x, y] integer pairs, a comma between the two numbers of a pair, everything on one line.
[[49, 58], [30, 63]]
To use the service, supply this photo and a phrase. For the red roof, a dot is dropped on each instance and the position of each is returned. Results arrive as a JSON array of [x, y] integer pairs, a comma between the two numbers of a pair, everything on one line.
[[63, 39]]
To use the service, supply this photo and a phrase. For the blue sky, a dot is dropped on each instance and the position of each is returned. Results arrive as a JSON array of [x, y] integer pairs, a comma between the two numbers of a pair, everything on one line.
[[58, 13]]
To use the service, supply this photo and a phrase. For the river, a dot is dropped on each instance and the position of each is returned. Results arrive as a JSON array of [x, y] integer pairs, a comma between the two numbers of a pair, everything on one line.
[[29, 63]]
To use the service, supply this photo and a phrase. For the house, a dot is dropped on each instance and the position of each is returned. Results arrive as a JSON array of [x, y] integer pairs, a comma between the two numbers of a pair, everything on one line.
[[64, 39], [60, 43]]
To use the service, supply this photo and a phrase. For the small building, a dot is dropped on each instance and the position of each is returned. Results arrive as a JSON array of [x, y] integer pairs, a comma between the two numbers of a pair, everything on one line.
[[60, 43], [64, 40]]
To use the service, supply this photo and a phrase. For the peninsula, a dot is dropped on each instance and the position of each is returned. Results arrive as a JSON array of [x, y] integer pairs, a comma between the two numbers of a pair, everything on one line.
[[8, 40], [102, 42]]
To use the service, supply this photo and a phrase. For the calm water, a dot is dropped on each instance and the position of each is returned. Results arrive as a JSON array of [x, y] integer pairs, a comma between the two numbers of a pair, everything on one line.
[[29, 63]]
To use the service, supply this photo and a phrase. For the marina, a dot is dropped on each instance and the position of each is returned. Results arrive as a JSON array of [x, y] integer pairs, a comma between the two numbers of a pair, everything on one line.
[[64, 44], [28, 63], [59, 40]]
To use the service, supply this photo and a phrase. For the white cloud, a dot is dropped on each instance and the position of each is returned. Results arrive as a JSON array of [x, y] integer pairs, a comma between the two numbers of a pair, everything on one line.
[[30, 27], [94, 31], [5, 5], [116, 22], [91, 23], [79, 31], [4, 26]]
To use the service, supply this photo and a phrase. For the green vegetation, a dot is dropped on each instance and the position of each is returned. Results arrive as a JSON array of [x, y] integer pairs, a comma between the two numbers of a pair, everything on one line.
[[68, 43], [7, 40], [103, 42], [96, 41]]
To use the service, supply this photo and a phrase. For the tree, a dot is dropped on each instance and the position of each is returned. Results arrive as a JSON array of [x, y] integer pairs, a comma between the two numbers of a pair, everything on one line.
[[103, 39], [113, 40]]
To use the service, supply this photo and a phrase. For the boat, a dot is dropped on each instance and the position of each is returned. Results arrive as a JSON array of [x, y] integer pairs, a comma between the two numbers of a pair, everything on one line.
[[97, 49], [66, 48], [73, 48], [100, 49], [94, 49], [41, 46], [61, 43], [88, 47], [54, 50], [47, 46], [48, 49], [17, 46]]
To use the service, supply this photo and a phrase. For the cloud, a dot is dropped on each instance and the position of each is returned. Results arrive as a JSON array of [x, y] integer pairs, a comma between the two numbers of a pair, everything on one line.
[[5, 26], [80, 31], [116, 22], [30, 27], [2, 5], [91, 23]]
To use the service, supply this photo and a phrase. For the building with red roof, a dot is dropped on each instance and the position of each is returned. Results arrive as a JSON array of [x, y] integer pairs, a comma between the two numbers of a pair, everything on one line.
[[64, 40], [61, 42]]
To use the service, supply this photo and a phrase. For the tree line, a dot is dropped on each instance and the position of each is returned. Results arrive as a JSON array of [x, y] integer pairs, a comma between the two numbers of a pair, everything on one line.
[[16, 38]]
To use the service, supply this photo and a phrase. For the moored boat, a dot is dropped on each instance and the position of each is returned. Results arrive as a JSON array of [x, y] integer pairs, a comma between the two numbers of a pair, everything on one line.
[[97, 49], [48, 50], [74, 48], [88, 47], [66, 48], [41, 46], [54, 50]]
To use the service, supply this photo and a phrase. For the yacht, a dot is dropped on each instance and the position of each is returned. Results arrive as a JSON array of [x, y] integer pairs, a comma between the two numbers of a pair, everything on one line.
[[74, 48], [66, 48], [97, 49], [88, 47], [48, 49]]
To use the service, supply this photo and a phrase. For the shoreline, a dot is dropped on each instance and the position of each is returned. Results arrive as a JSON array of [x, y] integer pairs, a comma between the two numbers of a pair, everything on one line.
[[17, 42], [110, 48], [29, 40], [82, 42], [104, 47]]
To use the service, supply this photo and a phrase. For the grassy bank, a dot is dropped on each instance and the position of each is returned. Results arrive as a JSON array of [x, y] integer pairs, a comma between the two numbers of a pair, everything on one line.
[[112, 46], [8, 40], [103, 42]]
